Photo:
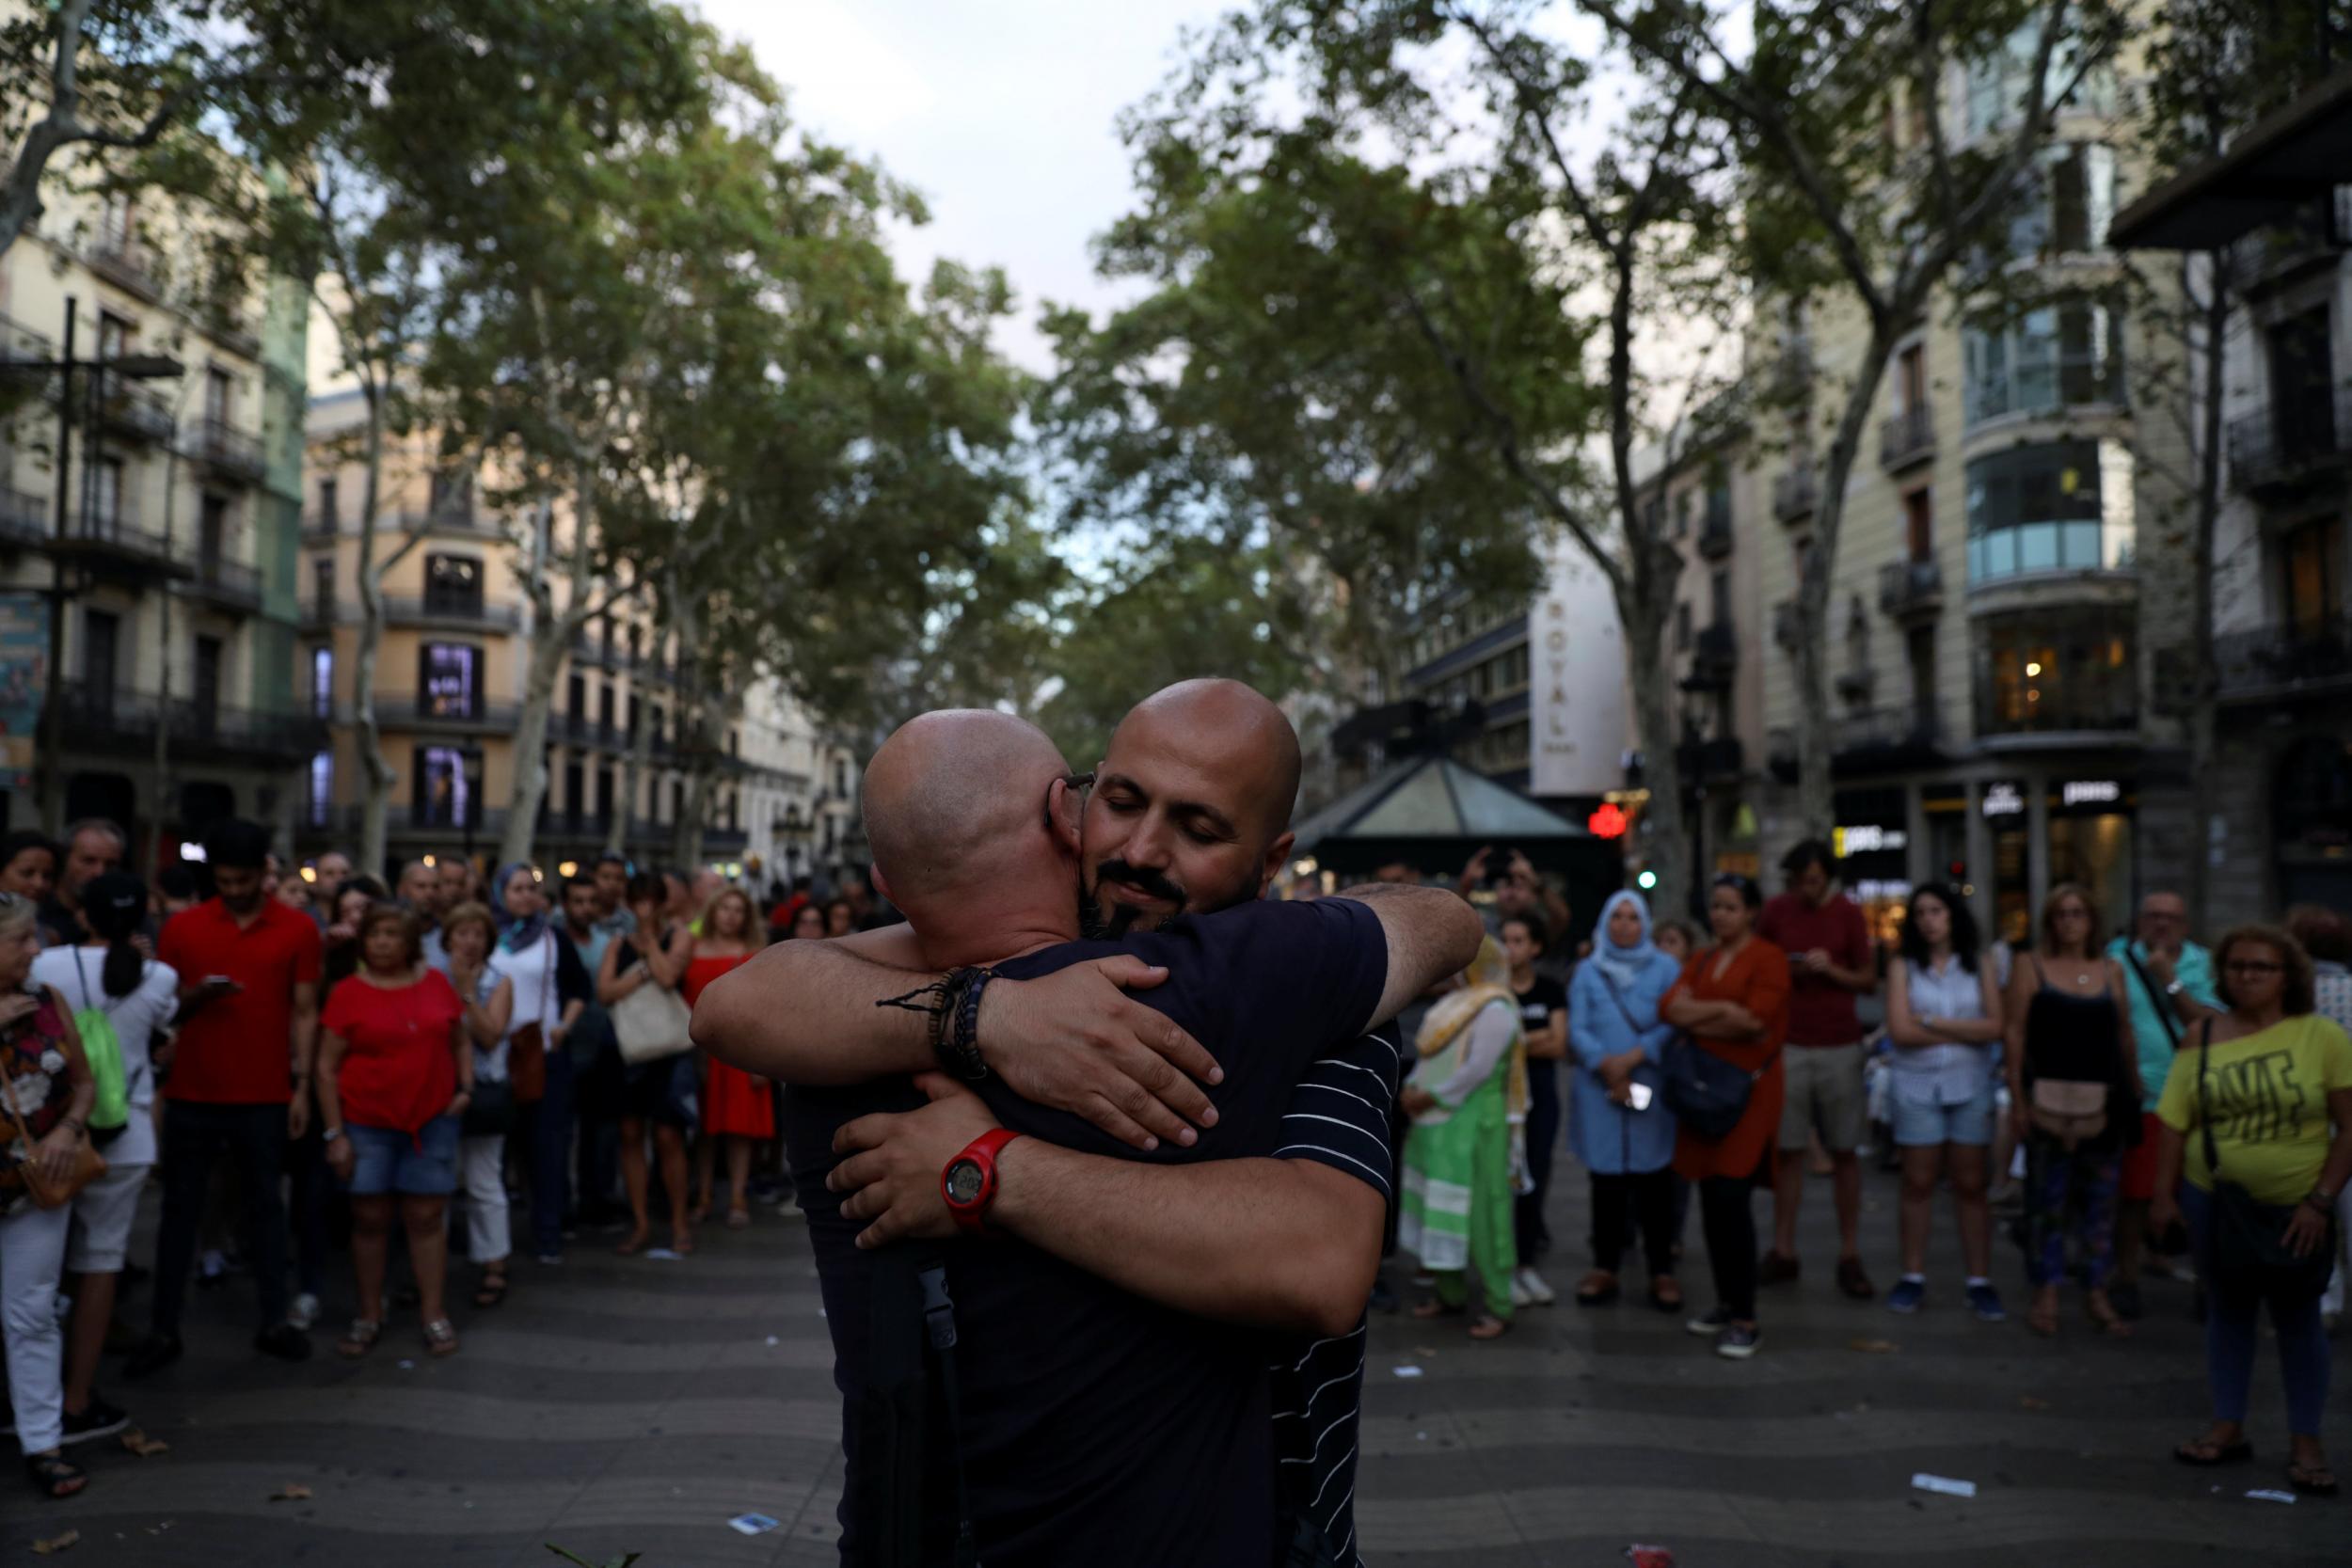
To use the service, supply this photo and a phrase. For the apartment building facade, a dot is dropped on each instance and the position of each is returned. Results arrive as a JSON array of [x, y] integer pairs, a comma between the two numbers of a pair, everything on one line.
[[153, 508], [1997, 564], [2277, 210]]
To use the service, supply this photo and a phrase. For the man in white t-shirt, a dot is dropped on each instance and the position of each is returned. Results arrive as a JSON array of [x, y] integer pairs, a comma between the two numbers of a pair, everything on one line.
[[138, 996]]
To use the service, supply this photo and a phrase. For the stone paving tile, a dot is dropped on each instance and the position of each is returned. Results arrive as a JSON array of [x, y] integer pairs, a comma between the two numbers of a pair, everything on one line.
[[622, 1405]]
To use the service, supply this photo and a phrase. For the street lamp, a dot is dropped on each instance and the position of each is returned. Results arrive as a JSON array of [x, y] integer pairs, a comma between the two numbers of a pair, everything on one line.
[[134, 367]]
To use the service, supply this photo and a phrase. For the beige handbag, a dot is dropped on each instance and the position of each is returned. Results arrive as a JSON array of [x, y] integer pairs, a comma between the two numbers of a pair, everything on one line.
[[651, 1022]]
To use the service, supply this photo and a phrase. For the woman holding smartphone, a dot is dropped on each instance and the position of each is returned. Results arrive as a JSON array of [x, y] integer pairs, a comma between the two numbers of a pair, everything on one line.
[[1620, 1126]]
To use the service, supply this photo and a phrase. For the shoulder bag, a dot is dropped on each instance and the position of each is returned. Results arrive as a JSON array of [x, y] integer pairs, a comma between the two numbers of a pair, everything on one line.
[[2246, 1237], [89, 1165], [527, 1047], [102, 1047], [2156, 998], [1707, 1094], [651, 1022]]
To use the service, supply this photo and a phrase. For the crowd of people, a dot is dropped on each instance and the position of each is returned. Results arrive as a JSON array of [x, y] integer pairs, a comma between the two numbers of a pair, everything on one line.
[[2162, 1105], [306, 1061]]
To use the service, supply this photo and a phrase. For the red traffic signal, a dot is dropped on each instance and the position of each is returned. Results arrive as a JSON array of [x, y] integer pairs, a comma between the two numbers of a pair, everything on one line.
[[1608, 820]]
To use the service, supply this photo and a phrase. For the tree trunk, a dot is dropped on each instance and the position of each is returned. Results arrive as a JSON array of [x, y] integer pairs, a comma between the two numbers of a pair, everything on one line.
[[2203, 718], [550, 635], [1815, 791], [376, 781]]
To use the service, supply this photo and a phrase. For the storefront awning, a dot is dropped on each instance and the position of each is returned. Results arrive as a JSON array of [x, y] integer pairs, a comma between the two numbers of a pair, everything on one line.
[[2290, 156]]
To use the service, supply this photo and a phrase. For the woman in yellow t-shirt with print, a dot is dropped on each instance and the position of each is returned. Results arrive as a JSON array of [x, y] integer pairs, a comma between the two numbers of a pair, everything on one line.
[[2265, 1079]]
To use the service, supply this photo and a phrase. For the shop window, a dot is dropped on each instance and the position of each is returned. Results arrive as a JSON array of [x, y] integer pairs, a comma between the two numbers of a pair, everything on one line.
[[2056, 673]]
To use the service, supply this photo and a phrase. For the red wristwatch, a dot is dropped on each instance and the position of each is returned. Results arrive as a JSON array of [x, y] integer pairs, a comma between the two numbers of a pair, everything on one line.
[[969, 1181]]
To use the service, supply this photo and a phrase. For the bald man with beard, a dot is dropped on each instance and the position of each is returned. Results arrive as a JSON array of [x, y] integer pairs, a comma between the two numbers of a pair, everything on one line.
[[1111, 1414]]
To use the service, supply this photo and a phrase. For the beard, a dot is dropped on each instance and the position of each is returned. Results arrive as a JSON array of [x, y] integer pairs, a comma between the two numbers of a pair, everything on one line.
[[1097, 922]]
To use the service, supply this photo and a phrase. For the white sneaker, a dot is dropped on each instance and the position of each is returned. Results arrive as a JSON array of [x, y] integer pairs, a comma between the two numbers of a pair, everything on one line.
[[304, 1313], [1519, 1296], [1531, 1284]]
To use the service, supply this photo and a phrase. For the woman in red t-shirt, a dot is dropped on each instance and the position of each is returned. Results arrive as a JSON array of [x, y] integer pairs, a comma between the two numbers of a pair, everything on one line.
[[396, 1069], [736, 1104]]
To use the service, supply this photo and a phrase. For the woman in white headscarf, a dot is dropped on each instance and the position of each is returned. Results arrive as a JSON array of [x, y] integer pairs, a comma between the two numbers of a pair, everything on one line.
[[1466, 1156], [1617, 1041]]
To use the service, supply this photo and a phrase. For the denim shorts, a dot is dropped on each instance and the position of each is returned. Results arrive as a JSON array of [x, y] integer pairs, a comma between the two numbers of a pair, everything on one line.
[[384, 1160], [1921, 1123]]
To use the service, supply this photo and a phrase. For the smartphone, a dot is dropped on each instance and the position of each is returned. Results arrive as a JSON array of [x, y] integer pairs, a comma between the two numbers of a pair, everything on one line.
[[1640, 1095]]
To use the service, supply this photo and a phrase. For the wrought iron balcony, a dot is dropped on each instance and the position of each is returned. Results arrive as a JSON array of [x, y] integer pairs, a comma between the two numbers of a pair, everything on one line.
[[112, 541], [2285, 448], [1715, 530], [230, 453], [117, 255], [1881, 733], [229, 583], [2281, 662], [1715, 656], [1795, 493], [115, 719], [429, 610], [24, 520], [1907, 438], [130, 409], [1910, 589]]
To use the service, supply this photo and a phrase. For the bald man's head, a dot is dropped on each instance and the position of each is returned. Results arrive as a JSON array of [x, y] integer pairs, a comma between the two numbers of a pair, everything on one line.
[[1191, 807], [953, 802]]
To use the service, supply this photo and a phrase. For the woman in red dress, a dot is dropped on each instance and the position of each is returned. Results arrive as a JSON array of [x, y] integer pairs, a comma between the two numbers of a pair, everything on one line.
[[1733, 999], [737, 1105]]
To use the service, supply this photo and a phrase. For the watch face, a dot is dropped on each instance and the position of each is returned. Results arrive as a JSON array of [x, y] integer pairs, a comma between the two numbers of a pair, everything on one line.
[[964, 1182]]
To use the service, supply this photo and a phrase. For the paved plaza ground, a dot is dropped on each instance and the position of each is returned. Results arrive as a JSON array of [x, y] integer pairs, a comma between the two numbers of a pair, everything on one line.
[[622, 1405]]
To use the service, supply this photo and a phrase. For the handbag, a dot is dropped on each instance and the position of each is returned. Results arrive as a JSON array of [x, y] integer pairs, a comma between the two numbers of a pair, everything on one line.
[[2245, 1236], [88, 1166], [1707, 1094], [652, 1023], [489, 1109], [527, 1047]]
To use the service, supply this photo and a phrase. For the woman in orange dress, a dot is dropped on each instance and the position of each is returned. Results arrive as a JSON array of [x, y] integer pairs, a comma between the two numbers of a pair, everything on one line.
[[1733, 1001], [737, 1106]]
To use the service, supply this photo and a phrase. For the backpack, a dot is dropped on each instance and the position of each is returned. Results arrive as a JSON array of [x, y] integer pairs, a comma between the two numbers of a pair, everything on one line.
[[110, 1113]]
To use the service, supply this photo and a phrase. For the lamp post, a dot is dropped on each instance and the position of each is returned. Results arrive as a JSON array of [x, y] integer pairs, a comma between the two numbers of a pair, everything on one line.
[[47, 787]]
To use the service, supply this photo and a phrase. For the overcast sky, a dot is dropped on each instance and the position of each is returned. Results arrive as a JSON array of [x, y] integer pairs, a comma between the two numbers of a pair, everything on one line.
[[999, 113]]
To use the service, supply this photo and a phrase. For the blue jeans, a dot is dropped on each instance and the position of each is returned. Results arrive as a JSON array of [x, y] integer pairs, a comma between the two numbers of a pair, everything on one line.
[[2229, 1337], [551, 1157]]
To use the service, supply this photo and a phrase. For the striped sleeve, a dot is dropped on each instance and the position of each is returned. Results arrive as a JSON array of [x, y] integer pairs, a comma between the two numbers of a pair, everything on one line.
[[1339, 1113]]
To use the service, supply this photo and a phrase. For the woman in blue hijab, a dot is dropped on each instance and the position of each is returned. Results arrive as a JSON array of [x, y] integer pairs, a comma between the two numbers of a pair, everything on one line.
[[1619, 1125]]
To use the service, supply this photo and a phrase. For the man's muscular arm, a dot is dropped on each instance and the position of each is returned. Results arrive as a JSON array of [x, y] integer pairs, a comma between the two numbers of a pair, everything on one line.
[[1432, 933], [810, 1013], [1277, 1243]]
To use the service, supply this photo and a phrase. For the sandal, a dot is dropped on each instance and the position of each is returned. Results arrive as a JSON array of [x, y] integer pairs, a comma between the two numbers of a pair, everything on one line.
[[491, 1291], [634, 1243], [359, 1337], [2312, 1480], [739, 1219], [1488, 1327], [1433, 1308], [2104, 1317], [55, 1476], [1665, 1294], [2204, 1452], [2042, 1319], [1597, 1289], [439, 1338]]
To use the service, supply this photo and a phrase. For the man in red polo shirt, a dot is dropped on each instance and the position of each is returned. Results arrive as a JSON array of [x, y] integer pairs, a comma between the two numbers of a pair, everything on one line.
[[240, 1079], [1830, 964]]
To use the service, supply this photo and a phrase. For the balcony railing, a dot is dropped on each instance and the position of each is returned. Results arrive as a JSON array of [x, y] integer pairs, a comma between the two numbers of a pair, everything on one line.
[[1908, 438], [233, 330], [458, 517], [1714, 655], [117, 255], [478, 820], [112, 719], [25, 519], [130, 409], [1907, 588], [1904, 728], [409, 609], [2317, 231], [2284, 448], [1795, 493], [227, 582], [2279, 661], [116, 538], [18, 343], [2047, 385], [230, 453]]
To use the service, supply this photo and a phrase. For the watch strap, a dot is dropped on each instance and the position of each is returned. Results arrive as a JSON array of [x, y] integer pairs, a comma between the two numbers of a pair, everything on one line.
[[972, 1217]]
